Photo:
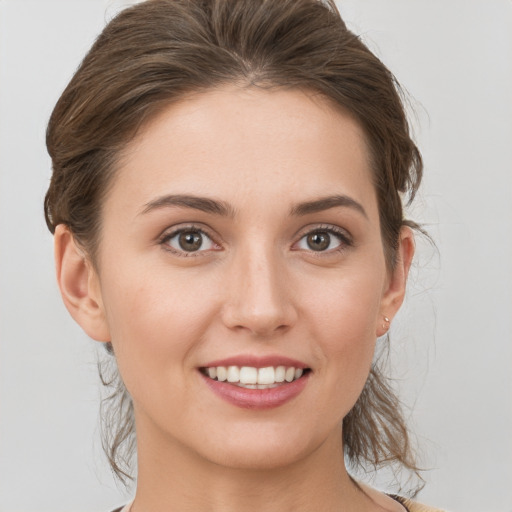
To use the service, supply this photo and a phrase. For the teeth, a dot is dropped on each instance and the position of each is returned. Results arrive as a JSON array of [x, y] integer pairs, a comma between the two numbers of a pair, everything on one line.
[[280, 373], [249, 375], [222, 373], [254, 378], [265, 376], [290, 374], [233, 374]]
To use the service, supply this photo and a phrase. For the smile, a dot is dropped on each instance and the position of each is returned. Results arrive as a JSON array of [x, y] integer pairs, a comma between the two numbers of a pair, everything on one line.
[[256, 387], [250, 377]]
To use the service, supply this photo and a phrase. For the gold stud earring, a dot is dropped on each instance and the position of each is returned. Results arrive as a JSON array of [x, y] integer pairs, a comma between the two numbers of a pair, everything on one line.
[[385, 325]]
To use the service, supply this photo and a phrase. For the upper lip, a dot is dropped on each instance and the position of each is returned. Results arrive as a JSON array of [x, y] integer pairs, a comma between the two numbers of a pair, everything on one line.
[[256, 361]]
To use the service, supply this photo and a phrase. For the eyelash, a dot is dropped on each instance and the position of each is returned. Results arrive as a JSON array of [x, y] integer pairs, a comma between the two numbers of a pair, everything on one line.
[[343, 237]]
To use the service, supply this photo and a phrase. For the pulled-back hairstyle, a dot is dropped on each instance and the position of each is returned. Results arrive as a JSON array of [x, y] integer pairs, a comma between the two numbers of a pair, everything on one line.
[[153, 54]]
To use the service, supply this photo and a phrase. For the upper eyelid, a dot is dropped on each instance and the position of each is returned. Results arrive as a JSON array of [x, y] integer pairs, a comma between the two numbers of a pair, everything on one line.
[[169, 232], [324, 227]]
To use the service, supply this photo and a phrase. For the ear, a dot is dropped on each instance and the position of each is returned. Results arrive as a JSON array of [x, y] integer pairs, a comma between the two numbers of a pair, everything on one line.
[[394, 292], [79, 285]]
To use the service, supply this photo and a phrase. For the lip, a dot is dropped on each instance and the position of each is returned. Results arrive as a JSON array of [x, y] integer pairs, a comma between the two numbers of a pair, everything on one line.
[[256, 361], [256, 399]]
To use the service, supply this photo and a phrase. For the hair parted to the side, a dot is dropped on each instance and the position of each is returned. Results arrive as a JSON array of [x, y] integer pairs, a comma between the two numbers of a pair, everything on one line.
[[159, 51]]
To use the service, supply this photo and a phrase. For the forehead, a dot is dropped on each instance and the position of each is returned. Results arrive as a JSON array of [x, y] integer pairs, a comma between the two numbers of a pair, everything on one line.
[[240, 143]]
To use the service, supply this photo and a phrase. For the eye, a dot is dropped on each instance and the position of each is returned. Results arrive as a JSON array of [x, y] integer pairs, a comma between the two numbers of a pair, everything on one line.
[[188, 240], [323, 240]]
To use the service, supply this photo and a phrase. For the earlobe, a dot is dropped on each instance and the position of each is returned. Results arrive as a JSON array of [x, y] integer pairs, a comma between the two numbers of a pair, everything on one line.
[[394, 294], [79, 285]]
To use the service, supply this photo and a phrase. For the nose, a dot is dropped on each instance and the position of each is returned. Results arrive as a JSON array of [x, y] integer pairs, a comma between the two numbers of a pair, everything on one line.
[[258, 294]]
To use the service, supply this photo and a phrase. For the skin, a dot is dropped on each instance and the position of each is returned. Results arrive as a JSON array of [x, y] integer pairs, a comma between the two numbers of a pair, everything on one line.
[[255, 287]]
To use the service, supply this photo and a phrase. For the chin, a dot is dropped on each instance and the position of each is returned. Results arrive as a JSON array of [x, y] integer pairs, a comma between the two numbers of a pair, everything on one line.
[[262, 452], [257, 460]]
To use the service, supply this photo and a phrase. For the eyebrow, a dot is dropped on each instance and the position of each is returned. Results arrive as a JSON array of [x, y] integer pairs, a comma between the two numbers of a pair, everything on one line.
[[224, 209], [325, 203], [203, 204]]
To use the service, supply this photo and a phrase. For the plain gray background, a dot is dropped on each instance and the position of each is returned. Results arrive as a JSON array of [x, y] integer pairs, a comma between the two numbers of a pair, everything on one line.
[[452, 344]]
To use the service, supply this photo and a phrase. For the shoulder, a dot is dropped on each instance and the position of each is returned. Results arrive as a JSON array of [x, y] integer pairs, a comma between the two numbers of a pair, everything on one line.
[[394, 503], [413, 506]]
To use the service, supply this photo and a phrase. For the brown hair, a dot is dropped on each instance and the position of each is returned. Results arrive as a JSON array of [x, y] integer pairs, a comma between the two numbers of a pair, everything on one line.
[[156, 52]]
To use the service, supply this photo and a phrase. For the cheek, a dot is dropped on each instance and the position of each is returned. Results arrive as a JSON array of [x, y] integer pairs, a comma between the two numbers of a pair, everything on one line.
[[344, 320], [154, 322], [346, 308]]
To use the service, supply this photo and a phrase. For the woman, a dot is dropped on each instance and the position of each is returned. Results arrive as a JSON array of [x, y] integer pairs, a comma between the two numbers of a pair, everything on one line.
[[226, 204]]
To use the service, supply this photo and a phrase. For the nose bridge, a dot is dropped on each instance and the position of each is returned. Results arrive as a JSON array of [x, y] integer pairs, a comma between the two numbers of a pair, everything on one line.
[[258, 298]]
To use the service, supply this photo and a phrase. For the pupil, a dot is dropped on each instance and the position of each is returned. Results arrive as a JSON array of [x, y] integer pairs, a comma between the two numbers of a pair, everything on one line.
[[190, 241], [319, 241]]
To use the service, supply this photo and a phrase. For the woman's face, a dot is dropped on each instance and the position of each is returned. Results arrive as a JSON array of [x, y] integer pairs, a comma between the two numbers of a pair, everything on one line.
[[242, 230]]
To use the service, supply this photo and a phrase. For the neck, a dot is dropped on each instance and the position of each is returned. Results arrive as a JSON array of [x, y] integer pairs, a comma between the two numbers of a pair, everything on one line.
[[172, 478]]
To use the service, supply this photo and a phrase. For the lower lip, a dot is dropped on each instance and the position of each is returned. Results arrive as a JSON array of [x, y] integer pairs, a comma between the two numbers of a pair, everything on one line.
[[257, 398]]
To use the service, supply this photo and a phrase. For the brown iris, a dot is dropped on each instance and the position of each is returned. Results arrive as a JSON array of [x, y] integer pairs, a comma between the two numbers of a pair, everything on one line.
[[190, 240], [318, 241]]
